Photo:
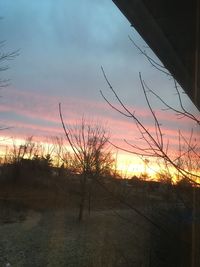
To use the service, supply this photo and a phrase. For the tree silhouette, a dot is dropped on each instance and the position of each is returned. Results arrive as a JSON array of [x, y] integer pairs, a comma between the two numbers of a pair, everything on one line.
[[92, 158]]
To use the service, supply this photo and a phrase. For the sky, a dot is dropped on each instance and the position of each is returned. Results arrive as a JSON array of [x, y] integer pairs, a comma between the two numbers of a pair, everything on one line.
[[63, 45]]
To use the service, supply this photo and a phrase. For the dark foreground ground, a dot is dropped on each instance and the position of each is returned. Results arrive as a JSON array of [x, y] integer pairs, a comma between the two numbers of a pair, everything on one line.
[[39, 227], [54, 238]]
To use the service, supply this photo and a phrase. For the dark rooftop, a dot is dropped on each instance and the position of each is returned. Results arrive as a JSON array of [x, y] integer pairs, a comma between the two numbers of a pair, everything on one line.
[[171, 29]]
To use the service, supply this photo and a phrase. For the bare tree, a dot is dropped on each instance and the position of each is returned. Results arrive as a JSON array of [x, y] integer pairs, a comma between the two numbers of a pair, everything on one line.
[[27, 149], [5, 57], [184, 163], [92, 158], [155, 145]]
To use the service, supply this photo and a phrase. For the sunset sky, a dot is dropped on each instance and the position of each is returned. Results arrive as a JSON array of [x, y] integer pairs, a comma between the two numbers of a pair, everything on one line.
[[63, 45]]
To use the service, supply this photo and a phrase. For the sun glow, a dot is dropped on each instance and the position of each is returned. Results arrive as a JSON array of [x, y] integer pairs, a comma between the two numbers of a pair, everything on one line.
[[129, 165]]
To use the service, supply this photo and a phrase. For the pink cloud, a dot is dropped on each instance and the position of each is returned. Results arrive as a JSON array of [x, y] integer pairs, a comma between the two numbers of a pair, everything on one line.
[[39, 106], [46, 107]]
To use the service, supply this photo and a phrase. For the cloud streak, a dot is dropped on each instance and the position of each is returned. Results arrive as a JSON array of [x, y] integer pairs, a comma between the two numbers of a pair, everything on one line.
[[40, 117], [62, 49]]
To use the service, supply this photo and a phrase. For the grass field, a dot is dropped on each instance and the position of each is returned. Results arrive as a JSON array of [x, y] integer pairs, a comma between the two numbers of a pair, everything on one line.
[[55, 238], [39, 228]]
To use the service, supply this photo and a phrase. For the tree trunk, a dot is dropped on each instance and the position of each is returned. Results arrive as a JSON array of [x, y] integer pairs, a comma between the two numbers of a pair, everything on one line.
[[82, 200]]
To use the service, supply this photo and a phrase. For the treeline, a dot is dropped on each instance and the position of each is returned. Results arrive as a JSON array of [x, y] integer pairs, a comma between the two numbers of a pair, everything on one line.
[[53, 158]]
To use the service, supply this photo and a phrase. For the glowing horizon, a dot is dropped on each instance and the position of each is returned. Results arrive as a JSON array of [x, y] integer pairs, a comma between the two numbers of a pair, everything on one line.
[[66, 69], [127, 165]]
